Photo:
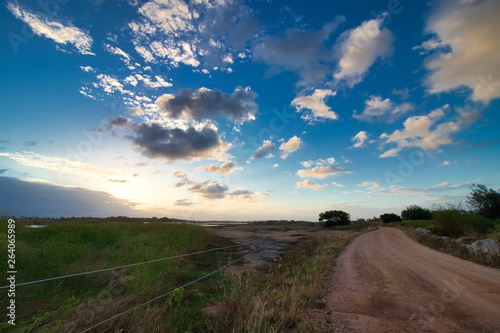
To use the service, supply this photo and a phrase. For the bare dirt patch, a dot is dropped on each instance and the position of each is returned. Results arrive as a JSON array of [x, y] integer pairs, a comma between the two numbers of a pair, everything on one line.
[[386, 282]]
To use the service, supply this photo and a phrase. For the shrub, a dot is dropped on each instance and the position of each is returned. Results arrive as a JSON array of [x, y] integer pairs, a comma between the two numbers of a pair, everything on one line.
[[455, 223], [415, 212], [388, 218], [335, 218], [484, 201]]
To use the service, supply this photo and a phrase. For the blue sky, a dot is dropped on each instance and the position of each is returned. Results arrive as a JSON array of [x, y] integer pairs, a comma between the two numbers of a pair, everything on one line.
[[250, 110]]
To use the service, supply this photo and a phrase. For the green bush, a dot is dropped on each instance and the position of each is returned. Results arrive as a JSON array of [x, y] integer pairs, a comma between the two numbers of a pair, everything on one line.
[[415, 212], [455, 223], [388, 218]]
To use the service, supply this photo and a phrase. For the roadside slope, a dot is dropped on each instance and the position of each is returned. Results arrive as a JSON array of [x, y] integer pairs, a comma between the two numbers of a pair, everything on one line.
[[386, 282]]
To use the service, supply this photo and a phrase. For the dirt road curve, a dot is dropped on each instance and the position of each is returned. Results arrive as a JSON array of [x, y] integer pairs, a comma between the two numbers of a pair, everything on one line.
[[386, 282]]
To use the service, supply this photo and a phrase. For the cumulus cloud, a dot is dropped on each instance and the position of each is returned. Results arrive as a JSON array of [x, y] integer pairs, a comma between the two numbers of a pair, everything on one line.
[[378, 109], [61, 33], [315, 103], [155, 141], [423, 132], [321, 171], [302, 51], [310, 184], [360, 47], [196, 33], [360, 139], [220, 169], [290, 146], [267, 147], [205, 103], [466, 48], [209, 190]]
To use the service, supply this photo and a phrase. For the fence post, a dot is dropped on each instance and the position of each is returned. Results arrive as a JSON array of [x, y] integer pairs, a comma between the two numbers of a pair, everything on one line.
[[218, 265]]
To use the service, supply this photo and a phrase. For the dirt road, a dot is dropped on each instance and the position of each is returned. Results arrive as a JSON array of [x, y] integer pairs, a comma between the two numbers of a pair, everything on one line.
[[386, 282]]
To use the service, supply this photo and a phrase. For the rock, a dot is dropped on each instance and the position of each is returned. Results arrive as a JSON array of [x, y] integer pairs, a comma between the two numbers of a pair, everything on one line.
[[485, 246], [444, 237], [422, 230]]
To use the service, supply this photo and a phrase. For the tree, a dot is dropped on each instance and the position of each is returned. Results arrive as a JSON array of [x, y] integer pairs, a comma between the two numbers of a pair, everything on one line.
[[415, 212], [484, 201], [387, 218], [335, 218]]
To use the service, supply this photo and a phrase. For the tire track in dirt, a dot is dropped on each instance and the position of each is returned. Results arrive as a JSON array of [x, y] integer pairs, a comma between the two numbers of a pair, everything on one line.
[[386, 282]]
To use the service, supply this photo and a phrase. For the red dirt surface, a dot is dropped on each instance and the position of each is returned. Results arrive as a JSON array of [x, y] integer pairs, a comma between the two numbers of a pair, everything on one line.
[[386, 282]]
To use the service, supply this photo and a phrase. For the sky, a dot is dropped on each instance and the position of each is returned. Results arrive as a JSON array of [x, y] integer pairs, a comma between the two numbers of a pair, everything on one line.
[[246, 110]]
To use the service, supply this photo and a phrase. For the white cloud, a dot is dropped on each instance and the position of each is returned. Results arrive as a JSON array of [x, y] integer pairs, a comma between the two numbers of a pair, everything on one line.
[[448, 163], [276, 165], [370, 185], [57, 31], [360, 139], [64, 165], [418, 133], [310, 184], [443, 184], [359, 48], [265, 150], [225, 168], [315, 103], [336, 184], [378, 109], [292, 145], [466, 48], [119, 52], [321, 171], [87, 69]]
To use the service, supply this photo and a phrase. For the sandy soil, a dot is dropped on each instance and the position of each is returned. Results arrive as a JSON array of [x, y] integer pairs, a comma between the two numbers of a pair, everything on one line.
[[386, 282]]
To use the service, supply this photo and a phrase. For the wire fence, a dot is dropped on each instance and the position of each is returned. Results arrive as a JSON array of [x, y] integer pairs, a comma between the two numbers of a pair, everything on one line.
[[218, 270], [173, 290]]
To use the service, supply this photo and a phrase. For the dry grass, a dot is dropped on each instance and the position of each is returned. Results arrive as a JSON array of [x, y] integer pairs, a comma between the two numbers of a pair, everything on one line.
[[453, 247], [286, 296]]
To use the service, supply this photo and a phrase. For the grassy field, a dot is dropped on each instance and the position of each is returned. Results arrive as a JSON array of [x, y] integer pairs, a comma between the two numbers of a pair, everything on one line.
[[275, 297], [76, 303]]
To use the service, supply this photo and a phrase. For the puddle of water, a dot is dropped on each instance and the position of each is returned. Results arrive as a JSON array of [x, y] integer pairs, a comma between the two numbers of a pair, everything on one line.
[[35, 226]]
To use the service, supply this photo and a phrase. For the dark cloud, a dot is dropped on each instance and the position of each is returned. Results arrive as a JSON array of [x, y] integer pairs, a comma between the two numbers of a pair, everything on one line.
[[30, 143], [303, 51], [155, 141], [3, 170], [209, 190], [206, 104], [117, 122], [18, 197], [184, 179], [183, 202], [479, 145], [267, 147]]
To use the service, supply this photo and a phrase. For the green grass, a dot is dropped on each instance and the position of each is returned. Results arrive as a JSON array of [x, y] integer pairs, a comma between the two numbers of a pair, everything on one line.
[[75, 303]]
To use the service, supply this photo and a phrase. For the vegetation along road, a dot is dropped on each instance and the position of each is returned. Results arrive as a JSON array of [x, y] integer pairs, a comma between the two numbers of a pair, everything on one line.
[[386, 282]]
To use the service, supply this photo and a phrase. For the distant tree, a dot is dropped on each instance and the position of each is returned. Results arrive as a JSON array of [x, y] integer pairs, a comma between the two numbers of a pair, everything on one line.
[[484, 201], [388, 218], [334, 218], [415, 212]]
